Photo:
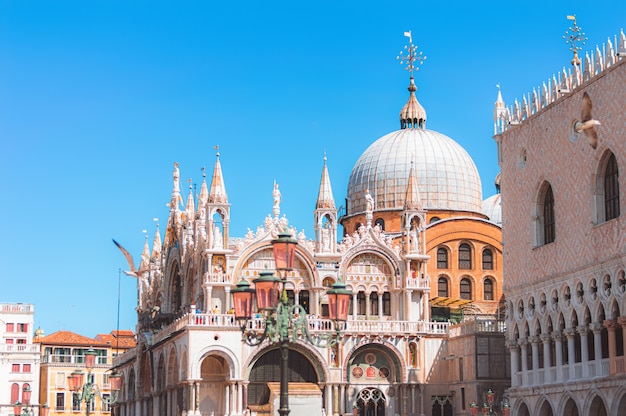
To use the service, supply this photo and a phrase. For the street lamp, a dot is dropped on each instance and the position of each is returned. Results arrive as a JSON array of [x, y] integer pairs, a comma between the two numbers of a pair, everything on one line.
[[88, 391], [25, 409], [283, 321], [488, 407], [474, 409]]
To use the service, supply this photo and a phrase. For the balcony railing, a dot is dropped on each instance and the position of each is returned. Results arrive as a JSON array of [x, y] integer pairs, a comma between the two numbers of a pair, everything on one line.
[[227, 322], [582, 371], [19, 348], [416, 283], [17, 307], [73, 360], [477, 326], [218, 278]]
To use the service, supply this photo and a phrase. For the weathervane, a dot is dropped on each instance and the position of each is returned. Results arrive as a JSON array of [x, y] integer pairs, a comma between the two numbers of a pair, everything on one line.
[[576, 38], [411, 57]]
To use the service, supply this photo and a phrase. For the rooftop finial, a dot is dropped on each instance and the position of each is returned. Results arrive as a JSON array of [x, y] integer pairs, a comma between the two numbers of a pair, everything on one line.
[[576, 38], [412, 57], [217, 150]]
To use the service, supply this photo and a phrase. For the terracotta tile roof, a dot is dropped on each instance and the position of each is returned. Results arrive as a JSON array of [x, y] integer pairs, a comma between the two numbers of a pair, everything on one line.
[[69, 338], [118, 339]]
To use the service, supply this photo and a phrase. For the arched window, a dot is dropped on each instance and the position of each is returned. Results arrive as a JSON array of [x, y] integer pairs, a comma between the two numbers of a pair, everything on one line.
[[442, 258], [387, 304], [466, 289], [304, 300], [543, 216], [442, 287], [611, 189], [381, 223], [360, 300], [465, 256], [434, 220], [374, 304], [488, 289], [548, 216], [487, 259], [15, 393]]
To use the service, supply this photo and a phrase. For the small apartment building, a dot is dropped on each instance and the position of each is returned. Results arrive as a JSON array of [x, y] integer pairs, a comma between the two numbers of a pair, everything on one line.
[[63, 352], [19, 357]]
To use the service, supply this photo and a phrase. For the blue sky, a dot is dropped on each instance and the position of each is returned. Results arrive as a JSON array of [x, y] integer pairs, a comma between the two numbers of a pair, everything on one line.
[[98, 99]]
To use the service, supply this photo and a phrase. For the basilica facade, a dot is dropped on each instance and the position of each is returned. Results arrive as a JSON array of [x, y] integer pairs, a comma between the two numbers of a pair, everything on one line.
[[561, 153], [416, 245]]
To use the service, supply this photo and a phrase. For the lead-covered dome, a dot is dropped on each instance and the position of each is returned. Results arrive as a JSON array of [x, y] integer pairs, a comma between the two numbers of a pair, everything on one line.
[[447, 176]]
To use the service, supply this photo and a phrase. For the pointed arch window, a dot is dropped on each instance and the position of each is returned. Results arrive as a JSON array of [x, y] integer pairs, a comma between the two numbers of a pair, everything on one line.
[[544, 220], [465, 256], [488, 289], [487, 259], [611, 189], [548, 216], [466, 289], [442, 287], [442, 258]]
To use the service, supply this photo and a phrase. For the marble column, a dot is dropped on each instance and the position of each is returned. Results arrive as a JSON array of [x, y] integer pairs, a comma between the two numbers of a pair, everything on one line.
[[534, 348], [558, 348], [596, 327], [514, 350], [611, 325], [571, 352], [546, 339], [584, 349]]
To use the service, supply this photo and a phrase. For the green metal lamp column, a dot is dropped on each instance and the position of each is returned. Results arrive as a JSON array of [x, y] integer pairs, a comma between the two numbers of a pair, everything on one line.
[[283, 324]]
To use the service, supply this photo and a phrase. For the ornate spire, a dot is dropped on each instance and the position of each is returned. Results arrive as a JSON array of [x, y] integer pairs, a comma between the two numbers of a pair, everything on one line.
[[500, 113], [412, 200], [218, 190], [191, 206], [576, 38], [412, 114], [325, 196], [176, 198], [145, 255], [156, 244], [204, 191]]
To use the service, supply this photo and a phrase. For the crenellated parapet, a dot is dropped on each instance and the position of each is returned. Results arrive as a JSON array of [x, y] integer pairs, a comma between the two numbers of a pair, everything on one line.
[[561, 84]]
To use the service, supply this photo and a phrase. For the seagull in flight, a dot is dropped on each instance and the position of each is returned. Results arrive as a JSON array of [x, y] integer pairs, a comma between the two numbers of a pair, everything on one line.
[[587, 124]]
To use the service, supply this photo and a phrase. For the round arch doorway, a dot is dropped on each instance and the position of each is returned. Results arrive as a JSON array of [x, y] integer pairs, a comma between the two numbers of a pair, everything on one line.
[[370, 402], [267, 368]]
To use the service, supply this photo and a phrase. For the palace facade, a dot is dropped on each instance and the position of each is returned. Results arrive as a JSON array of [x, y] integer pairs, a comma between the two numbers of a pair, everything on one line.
[[562, 152]]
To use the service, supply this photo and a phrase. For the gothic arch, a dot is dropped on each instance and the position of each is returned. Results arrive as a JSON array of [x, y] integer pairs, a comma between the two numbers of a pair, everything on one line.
[[619, 405], [570, 408], [544, 407], [173, 368]]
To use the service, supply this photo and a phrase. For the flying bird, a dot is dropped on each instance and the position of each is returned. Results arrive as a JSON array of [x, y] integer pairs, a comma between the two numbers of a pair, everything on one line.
[[133, 271], [587, 123]]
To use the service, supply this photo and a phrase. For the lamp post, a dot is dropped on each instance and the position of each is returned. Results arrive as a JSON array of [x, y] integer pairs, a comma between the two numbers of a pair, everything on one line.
[[89, 390], [474, 409], [282, 320], [25, 409], [488, 407]]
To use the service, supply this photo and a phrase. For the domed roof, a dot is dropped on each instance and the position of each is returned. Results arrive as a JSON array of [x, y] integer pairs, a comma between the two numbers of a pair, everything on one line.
[[447, 176], [492, 208]]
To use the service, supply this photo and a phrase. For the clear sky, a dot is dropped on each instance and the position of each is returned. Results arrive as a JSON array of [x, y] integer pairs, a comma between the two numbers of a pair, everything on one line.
[[98, 99]]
